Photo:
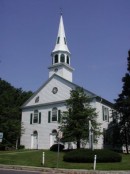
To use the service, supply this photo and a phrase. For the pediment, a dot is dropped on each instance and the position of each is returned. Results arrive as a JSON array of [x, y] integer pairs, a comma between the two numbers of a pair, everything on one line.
[[56, 89]]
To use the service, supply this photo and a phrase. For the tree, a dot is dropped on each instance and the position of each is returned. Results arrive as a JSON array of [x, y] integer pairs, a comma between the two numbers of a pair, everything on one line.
[[113, 131], [75, 122], [10, 113], [123, 106]]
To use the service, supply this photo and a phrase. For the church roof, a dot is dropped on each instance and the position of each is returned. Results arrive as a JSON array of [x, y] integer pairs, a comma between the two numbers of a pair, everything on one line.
[[90, 94], [61, 43]]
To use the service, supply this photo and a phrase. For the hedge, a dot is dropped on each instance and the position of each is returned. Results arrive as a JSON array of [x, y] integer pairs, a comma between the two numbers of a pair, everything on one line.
[[87, 156], [54, 147]]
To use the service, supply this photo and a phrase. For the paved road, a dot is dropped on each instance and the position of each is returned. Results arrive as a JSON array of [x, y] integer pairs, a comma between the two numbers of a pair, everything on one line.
[[11, 171]]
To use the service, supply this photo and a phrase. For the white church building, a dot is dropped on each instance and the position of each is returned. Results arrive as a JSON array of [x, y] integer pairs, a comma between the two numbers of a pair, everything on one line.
[[41, 113]]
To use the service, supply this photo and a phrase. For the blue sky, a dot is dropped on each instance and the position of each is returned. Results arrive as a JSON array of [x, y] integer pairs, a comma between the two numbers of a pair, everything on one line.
[[98, 36]]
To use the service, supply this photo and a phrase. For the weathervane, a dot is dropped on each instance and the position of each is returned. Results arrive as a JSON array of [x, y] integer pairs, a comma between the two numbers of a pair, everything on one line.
[[61, 11]]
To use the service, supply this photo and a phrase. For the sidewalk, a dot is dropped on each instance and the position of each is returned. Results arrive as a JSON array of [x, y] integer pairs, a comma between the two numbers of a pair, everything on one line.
[[60, 171]]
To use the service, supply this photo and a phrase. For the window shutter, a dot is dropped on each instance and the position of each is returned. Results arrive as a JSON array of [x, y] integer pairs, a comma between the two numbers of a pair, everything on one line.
[[49, 116], [39, 117], [31, 117], [108, 115], [103, 113], [59, 116]]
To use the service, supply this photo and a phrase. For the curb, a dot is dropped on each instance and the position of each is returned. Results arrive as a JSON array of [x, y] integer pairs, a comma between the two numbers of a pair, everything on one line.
[[60, 171]]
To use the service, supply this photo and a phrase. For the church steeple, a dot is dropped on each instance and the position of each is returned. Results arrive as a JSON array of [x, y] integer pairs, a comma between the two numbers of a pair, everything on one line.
[[61, 43], [61, 55]]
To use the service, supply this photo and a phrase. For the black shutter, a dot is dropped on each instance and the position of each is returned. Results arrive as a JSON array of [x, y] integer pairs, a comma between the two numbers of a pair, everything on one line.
[[31, 117], [108, 115], [39, 117], [49, 116], [59, 116], [103, 113]]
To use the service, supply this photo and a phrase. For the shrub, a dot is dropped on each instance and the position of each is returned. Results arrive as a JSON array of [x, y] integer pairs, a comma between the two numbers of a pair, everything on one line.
[[54, 147], [87, 156], [21, 147], [2, 147]]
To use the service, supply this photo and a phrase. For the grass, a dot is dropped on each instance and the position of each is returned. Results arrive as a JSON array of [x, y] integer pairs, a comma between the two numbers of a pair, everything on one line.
[[34, 158]]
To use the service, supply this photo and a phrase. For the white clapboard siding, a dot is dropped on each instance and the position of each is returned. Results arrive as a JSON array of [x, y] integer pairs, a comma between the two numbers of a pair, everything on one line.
[[48, 100], [44, 129], [46, 95]]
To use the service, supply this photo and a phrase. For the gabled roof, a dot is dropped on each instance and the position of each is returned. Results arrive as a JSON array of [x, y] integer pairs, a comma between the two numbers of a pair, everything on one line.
[[92, 95]]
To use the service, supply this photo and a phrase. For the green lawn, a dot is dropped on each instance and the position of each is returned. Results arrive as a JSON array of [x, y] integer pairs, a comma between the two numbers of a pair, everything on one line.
[[34, 158]]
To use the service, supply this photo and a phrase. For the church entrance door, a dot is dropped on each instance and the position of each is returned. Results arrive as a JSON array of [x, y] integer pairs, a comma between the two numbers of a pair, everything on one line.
[[53, 139], [34, 140]]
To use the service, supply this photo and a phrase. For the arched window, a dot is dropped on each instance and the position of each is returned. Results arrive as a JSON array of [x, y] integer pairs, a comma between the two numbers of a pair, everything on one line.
[[35, 118], [54, 114], [62, 58], [54, 131], [35, 133], [56, 58], [68, 62]]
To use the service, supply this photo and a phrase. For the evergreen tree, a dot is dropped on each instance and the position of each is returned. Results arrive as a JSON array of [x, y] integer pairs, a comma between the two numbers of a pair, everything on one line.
[[113, 131], [123, 106], [75, 122], [11, 100]]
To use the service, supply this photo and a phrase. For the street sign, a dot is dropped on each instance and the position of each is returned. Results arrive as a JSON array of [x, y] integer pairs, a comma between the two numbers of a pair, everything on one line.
[[1, 136], [60, 134]]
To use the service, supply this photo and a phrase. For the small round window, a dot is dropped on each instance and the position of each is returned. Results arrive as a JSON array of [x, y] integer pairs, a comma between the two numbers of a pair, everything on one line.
[[54, 90]]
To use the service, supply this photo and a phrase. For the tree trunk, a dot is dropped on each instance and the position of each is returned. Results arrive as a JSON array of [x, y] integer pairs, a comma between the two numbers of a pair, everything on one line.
[[16, 144], [126, 141], [78, 144]]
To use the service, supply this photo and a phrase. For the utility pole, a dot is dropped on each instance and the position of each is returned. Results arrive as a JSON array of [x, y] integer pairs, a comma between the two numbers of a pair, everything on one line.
[[90, 136]]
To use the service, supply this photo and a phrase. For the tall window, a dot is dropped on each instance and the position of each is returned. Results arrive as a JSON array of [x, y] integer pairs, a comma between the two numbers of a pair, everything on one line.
[[65, 40], [54, 114], [105, 113], [58, 40], [35, 118], [106, 135], [56, 58], [62, 58], [68, 60]]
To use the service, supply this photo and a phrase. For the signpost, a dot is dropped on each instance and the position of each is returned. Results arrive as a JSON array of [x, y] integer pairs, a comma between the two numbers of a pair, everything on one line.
[[94, 165], [43, 158], [60, 134], [1, 136]]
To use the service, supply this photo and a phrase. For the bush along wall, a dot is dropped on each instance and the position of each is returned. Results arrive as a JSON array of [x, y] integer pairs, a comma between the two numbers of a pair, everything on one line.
[[87, 156], [54, 147]]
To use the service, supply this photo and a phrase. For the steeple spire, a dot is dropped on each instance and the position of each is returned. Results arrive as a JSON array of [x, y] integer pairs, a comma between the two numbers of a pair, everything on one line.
[[61, 43], [61, 55]]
